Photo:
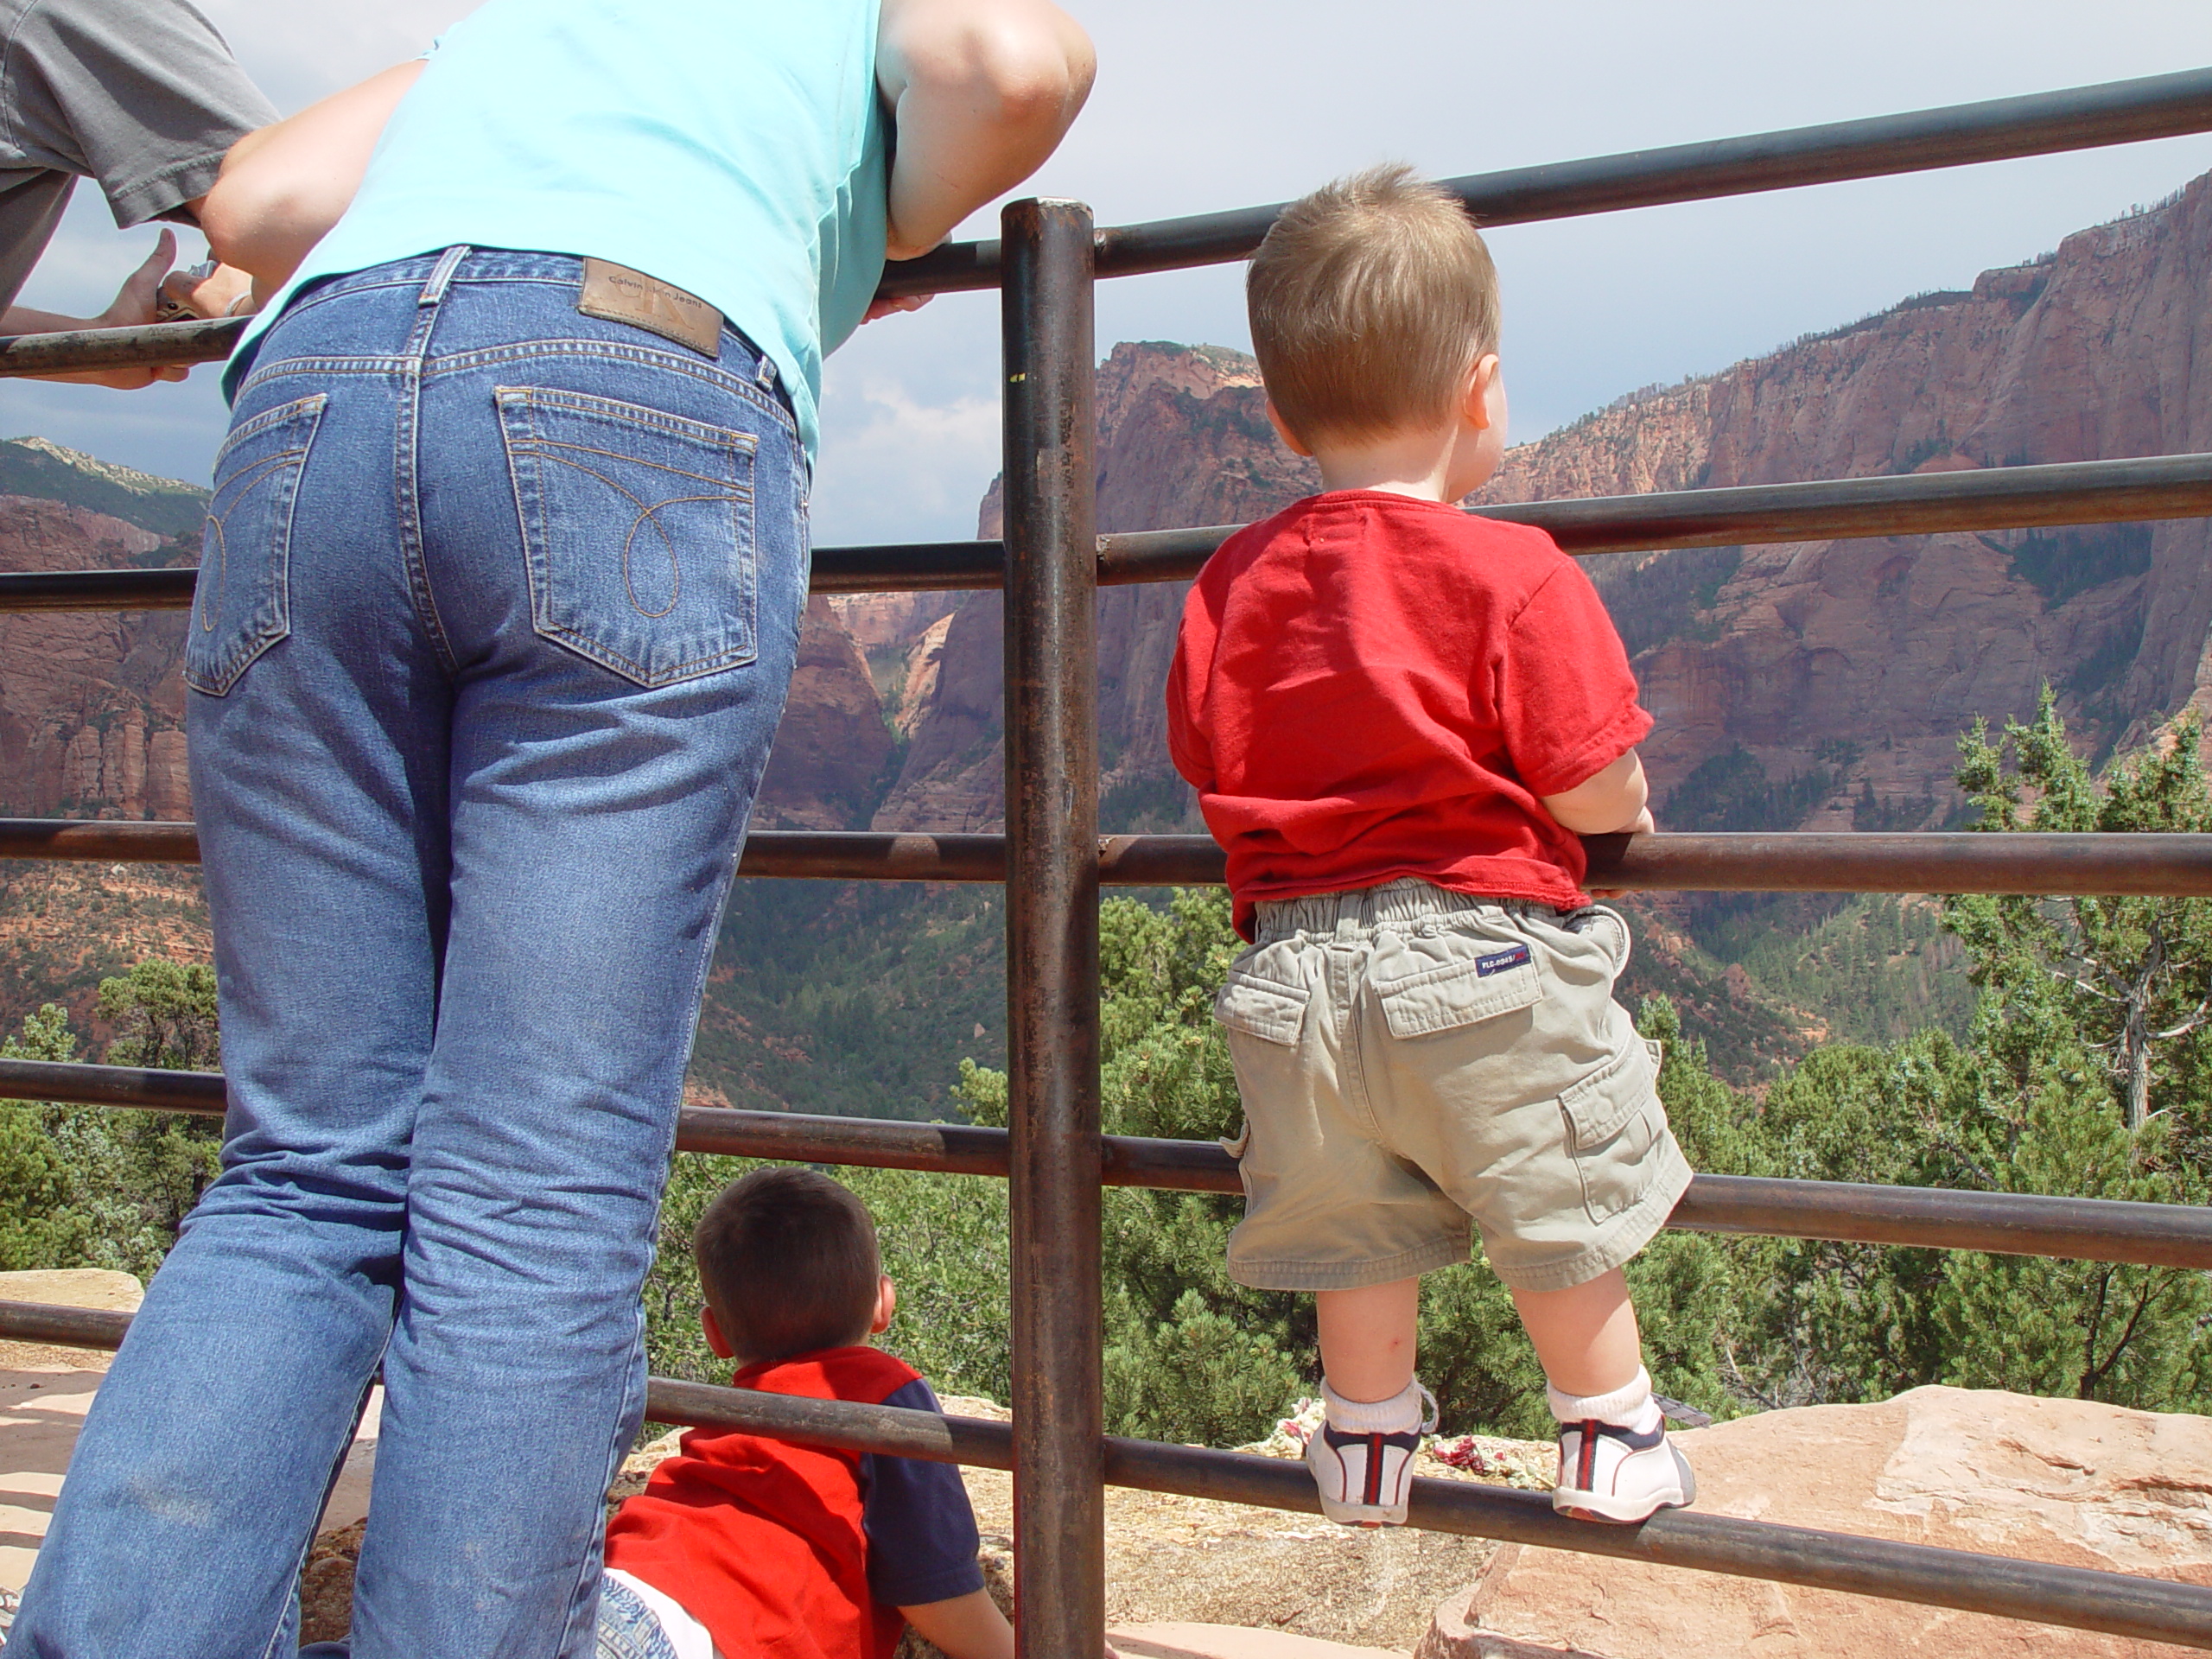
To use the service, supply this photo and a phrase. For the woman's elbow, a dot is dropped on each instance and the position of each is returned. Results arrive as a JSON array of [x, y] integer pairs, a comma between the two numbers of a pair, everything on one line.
[[254, 220], [1030, 69], [235, 217]]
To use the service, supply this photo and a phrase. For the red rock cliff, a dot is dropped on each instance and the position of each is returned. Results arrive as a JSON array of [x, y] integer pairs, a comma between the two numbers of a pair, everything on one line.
[[1183, 440], [1865, 658], [91, 708], [92, 711]]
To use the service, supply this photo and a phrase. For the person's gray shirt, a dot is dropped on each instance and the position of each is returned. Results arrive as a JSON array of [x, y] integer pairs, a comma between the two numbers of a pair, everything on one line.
[[142, 95]]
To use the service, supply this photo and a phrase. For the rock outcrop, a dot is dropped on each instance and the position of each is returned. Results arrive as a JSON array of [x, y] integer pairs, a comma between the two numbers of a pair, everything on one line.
[[1183, 439], [99, 1287], [2065, 1481], [91, 708], [1893, 646], [92, 711], [827, 768]]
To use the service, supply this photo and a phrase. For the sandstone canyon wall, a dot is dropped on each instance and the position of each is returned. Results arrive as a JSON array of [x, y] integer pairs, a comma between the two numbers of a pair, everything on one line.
[[1183, 440], [92, 710], [1847, 667], [1842, 671]]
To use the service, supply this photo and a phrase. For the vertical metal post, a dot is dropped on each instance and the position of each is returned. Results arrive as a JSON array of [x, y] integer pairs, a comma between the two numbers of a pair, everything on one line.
[[1051, 887]]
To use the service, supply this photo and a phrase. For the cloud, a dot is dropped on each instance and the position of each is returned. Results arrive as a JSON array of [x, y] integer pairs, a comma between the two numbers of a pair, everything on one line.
[[301, 53], [896, 468], [1232, 102]]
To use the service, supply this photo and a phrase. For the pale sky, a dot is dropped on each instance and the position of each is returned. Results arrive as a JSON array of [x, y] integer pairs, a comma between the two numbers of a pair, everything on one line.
[[1213, 104]]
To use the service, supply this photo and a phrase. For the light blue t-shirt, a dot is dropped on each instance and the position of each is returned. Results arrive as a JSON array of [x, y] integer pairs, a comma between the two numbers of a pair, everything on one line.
[[734, 148]]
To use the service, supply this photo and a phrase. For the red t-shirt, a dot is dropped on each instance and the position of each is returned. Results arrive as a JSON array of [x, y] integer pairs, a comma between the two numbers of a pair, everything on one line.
[[760, 1540], [1368, 687]]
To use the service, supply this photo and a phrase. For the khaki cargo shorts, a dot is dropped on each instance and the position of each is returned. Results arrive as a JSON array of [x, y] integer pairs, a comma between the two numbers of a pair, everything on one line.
[[1411, 1058]]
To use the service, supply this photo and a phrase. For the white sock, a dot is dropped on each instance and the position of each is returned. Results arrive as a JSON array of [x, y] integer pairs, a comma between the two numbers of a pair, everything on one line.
[[1629, 1406], [1399, 1414]]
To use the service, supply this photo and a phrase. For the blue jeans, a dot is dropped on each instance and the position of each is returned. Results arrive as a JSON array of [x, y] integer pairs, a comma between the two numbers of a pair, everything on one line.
[[627, 1628], [499, 608]]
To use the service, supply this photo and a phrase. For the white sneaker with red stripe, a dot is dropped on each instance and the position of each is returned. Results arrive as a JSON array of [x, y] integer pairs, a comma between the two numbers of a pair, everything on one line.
[[1607, 1472], [1364, 1474]]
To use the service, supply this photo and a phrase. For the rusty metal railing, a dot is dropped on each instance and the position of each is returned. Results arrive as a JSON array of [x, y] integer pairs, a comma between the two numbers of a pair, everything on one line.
[[1053, 863], [2003, 1224], [1792, 861], [2003, 498], [2117, 1603]]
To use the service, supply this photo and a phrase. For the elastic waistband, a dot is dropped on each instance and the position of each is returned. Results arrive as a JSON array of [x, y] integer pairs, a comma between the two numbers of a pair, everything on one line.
[[1363, 910]]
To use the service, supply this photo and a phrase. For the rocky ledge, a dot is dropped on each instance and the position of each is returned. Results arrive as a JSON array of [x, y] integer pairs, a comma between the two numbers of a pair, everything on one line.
[[2066, 1481]]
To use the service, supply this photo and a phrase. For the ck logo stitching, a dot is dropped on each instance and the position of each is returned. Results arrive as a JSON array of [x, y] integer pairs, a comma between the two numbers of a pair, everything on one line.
[[648, 516], [637, 526], [207, 595], [241, 599], [1516, 957]]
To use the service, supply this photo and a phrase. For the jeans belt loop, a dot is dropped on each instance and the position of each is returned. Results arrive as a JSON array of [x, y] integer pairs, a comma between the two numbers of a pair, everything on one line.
[[434, 291], [441, 275]]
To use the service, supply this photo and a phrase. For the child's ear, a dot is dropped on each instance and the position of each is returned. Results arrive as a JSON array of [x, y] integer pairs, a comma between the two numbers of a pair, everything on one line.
[[1482, 379], [1296, 445], [716, 1340], [887, 1304]]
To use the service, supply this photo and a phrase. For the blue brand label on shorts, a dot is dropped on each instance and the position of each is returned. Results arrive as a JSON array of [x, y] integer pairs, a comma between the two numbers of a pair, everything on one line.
[[1516, 957]]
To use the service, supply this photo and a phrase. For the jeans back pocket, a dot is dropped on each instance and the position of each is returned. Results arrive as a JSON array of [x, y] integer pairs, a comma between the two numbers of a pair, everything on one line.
[[241, 604], [638, 528]]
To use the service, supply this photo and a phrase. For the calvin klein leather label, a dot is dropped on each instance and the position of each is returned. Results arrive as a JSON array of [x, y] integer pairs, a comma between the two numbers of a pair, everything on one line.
[[620, 294]]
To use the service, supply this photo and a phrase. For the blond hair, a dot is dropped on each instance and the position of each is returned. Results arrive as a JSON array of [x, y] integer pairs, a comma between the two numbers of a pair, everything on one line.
[[1370, 300]]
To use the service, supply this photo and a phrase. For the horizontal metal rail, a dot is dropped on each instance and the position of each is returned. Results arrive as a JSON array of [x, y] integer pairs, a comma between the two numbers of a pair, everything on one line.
[[2119, 1604], [2000, 498], [1795, 861], [2085, 118], [2003, 1224], [153, 346], [1960, 135]]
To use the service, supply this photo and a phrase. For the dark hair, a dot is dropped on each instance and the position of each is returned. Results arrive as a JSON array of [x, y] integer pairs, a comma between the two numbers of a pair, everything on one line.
[[789, 1262]]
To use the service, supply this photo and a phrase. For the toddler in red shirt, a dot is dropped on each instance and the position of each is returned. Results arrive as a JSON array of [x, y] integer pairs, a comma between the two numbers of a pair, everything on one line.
[[746, 1547], [1399, 720]]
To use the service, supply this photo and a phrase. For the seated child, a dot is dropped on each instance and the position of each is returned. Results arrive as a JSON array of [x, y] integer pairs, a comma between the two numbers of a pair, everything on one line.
[[744, 1546], [1398, 718]]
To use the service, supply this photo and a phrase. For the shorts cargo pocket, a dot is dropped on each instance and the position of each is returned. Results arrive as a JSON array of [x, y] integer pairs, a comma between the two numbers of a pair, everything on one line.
[[1464, 990], [1266, 1008], [242, 602], [638, 527], [1236, 1145], [1613, 1122]]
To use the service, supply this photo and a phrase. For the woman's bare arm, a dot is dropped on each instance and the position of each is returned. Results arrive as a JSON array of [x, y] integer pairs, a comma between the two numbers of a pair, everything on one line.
[[984, 90], [282, 187]]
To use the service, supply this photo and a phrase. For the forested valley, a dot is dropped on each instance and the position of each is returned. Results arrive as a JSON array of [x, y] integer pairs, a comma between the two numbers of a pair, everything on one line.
[[2082, 1064]]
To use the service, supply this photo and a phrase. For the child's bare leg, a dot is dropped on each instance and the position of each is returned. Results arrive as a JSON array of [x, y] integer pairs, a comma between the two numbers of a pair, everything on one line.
[[1615, 1462], [1585, 1336], [1367, 1337], [1363, 1458]]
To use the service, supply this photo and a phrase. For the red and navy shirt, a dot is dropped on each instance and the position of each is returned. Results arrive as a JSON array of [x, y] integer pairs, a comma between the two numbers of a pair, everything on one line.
[[796, 1552]]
